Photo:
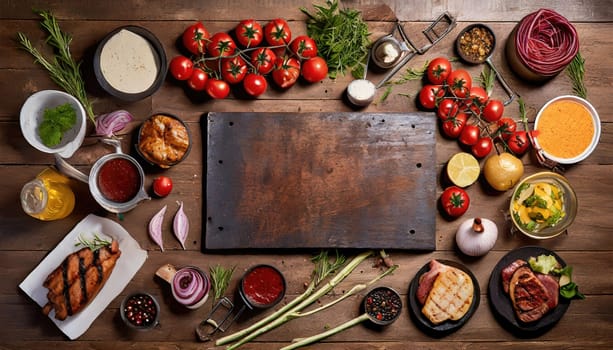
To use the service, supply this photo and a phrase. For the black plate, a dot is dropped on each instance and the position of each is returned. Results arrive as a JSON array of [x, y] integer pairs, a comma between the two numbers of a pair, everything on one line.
[[446, 327], [501, 302]]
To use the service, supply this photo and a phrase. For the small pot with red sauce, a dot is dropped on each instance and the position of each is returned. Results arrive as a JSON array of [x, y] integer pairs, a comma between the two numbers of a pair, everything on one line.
[[262, 286], [116, 180]]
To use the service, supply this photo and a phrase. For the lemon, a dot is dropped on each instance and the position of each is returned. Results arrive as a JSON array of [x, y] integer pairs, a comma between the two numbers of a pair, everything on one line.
[[463, 169]]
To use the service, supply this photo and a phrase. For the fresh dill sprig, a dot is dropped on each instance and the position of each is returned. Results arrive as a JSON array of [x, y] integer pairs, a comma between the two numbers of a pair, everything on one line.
[[324, 267], [94, 243], [220, 278], [576, 72], [62, 68]]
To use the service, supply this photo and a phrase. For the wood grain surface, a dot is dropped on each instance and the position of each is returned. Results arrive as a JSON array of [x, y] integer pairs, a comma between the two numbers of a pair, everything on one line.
[[24, 241]]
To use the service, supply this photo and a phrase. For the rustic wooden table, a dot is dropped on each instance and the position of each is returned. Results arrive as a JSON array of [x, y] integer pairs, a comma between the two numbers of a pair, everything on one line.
[[24, 241]]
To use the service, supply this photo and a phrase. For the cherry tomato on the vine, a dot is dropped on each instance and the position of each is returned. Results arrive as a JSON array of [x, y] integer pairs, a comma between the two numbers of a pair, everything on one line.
[[197, 81], [477, 93], [286, 72], [447, 108], [452, 127], [277, 32], [438, 70], [217, 89], [460, 82], [493, 110], [181, 67], [518, 142], [429, 95], [455, 201], [506, 127], [483, 147], [249, 33], [255, 84], [233, 70], [221, 45], [314, 69], [470, 135], [263, 59], [304, 47], [194, 38]]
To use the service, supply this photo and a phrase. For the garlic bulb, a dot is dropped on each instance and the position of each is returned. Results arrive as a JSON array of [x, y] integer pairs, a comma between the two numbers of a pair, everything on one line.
[[475, 237]]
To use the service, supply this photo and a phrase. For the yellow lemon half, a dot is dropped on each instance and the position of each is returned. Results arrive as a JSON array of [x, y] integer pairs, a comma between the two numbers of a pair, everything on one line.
[[463, 169]]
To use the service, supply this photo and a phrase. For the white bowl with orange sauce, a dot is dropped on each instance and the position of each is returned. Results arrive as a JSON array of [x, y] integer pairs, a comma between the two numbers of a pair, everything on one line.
[[568, 129]]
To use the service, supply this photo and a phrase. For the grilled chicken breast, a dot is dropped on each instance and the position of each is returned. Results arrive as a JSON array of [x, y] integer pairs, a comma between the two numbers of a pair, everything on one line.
[[450, 297], [74, 283]]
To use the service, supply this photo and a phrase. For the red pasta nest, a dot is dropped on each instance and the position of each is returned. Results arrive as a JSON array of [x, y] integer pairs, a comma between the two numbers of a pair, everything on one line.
[[546, 42]]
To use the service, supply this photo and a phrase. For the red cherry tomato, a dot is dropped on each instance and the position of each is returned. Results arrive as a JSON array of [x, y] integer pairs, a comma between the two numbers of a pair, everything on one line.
[[438, 70], [217, 89], [483, 147], [506, 127], [314, 69], [255, 84], [453, 126], [460, 82], [181, 67], [194, 38], [277, 32], [447, 108], [221, 45], [479, 95], [263, 59], [493, 110], [249, 33], [470, 135], [286, 72], [429, 95], [518, 142], [455, 201], [233, 70], [162, 186], [304, 47], [197, 81]]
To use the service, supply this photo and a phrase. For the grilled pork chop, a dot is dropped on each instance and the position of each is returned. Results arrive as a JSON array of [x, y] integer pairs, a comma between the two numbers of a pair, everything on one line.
[[530, 298], [74, 283], [450, 297], [507, 273]]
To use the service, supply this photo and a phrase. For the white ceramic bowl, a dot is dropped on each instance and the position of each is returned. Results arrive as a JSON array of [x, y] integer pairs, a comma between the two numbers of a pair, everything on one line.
[[595, 136], [32, 113]]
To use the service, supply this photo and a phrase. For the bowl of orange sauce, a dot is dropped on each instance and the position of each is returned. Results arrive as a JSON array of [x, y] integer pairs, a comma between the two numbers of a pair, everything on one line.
[[568, 129]]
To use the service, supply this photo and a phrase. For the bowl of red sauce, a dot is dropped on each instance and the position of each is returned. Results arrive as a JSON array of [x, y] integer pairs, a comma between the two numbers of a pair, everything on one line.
[[262, 286]]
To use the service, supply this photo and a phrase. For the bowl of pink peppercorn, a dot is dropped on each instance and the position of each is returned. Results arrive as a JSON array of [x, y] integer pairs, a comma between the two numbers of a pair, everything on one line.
[[140, 311]]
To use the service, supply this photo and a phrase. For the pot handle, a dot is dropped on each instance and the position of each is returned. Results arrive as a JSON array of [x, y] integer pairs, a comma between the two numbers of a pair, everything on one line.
[[115, 143], [64, 167]]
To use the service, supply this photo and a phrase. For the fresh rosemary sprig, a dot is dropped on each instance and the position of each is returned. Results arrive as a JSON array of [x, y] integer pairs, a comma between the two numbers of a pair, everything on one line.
[[220, 278], [409, 74], [325, 267], [94, 243], [62, 68], [341, 37], [576, 73]]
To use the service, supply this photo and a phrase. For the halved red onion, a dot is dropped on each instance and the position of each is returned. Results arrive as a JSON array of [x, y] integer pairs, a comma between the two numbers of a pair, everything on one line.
[[189, 286], [546, 42], [109, 124]]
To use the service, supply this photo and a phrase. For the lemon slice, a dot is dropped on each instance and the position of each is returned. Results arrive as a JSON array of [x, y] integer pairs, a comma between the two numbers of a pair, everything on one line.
[[463, 169]]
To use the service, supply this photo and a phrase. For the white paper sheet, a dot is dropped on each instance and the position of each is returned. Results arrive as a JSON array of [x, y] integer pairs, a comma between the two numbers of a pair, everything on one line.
[[131, 259]]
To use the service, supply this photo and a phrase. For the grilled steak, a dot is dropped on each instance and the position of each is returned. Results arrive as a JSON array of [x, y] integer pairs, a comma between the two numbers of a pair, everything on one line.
[[426, 281], [507, 273], [552, 286], [450, 295], [74, 283], [530, 298]]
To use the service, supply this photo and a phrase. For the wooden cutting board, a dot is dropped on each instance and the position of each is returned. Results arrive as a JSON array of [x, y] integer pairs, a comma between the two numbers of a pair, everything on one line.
[[320, 180]]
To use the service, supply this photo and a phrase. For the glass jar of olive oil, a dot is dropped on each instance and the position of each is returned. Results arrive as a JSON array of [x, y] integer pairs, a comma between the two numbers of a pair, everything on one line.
[[48, 196]]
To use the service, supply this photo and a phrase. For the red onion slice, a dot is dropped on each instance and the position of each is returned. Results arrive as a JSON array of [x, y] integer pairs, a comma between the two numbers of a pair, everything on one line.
[[189, 286], [546, 42], [109, 124]]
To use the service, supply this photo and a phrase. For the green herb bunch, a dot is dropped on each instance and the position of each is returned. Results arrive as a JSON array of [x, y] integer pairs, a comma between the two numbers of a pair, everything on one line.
[[341, 37], [56, 121], [62, 68]]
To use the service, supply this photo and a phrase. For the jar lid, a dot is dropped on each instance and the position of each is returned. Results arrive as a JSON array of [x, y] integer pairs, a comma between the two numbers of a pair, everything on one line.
[[34, 197]]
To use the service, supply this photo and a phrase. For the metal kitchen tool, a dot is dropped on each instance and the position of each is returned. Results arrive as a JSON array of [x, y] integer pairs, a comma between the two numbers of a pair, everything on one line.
[[436, 31], [487, 58]]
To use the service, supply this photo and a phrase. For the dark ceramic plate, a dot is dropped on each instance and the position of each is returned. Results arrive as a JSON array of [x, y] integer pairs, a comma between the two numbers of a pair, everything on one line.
[[446, 327], [501, 303], [159, 79]]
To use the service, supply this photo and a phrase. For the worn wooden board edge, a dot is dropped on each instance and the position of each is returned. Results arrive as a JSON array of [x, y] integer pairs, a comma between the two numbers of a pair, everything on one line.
[[212, 235]]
